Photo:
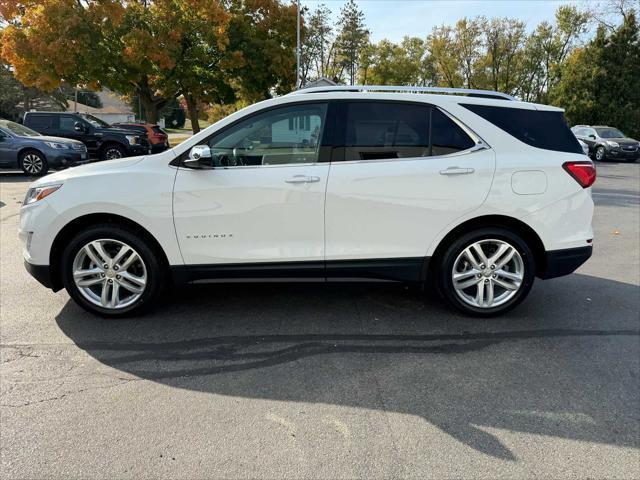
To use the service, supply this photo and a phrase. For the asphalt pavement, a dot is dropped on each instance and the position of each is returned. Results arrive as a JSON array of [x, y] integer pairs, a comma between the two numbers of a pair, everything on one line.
[[312, 381]]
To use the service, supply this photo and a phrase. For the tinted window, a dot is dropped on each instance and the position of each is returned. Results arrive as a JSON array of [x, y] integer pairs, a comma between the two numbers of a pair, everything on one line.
[[39, 122], [541, 129], [67, 123], [446, 136], [283, 135], [610, 133], [379, 130]]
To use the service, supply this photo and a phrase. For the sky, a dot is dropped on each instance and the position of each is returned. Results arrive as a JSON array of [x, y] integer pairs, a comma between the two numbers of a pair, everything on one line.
[[393, 19]]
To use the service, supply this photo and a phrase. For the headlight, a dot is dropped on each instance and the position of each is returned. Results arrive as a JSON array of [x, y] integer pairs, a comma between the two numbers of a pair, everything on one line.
[[613, 144], [133, 140], [38, 193], [59, 146]]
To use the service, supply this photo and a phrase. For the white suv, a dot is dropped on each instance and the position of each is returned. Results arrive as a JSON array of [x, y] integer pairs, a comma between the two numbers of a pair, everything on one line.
[[468, 191]]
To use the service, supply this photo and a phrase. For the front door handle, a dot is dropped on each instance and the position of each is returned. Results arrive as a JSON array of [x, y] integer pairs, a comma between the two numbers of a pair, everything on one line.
[[456, 171], [302, 179]]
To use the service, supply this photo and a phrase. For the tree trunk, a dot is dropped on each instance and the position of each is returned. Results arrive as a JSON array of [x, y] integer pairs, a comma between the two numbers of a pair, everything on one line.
[[150, 107], [192, 107]]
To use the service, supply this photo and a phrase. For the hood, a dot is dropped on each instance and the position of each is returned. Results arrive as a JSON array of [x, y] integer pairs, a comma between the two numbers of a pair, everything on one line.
[[117, 130], [622, 140], [46, 138], [87, 170]]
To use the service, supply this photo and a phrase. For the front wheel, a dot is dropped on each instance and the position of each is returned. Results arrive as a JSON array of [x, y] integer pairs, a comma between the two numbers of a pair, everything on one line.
[[33, 163], [487, 272], [111, 271], [601, 154], [112, 151]]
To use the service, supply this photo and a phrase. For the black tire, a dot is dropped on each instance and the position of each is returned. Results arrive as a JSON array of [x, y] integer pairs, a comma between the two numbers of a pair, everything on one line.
[[34, 163], [156, 272], [445, 270], [602, 152], [112, 151]]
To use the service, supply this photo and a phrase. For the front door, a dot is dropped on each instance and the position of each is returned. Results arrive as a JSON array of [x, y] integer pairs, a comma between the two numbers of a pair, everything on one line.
[[263, 199], [405, 171]]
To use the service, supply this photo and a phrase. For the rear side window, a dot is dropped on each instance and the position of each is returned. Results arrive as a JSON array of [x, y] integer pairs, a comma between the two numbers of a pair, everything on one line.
[[39, 122], [386, 130], [541, 129], [393, 130]]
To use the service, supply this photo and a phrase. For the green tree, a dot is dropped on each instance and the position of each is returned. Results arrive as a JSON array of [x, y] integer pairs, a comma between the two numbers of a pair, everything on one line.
[[353, 36], [600, 83]]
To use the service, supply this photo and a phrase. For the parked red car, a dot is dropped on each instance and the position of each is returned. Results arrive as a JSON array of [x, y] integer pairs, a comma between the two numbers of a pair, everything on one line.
[[158, 138]]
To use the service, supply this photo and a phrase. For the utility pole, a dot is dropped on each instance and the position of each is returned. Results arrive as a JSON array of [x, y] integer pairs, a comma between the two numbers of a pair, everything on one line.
[[75, 101], [298, 85]]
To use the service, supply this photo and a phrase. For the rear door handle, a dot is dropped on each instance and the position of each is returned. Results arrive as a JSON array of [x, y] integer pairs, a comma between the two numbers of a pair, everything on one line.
[[302, 179], [456, 171]]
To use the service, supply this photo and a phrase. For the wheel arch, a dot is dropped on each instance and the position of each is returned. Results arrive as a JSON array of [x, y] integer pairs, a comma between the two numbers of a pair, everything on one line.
[[28, 148], [78, 224], [527, 233]]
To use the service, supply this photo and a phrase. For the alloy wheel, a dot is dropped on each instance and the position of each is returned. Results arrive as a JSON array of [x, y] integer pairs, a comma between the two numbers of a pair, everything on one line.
[[112, 154], [488, 273], [32, 163], [109, 273], [600, 154]]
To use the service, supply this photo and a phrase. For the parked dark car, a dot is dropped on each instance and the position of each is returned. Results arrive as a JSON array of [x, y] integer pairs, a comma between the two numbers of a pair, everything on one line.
[[608, 143], [21, 147], [158, 138], [102, 140]]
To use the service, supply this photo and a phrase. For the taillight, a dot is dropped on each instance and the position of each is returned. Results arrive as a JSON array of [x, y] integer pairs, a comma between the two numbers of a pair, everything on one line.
[[582, 172]]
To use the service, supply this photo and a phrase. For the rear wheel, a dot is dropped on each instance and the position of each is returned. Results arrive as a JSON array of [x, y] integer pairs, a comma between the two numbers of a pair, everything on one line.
[[32, 162], [111, 271], [487, 272]]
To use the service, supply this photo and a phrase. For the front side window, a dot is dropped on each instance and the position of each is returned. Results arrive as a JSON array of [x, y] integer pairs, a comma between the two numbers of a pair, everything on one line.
[[284, 135], [67, 123]]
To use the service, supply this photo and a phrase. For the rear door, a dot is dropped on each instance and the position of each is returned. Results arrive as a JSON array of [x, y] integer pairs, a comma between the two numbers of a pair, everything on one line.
[[401, 174]]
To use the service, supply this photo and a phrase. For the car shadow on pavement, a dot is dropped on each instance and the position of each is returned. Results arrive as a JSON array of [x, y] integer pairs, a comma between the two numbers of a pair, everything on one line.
[[564, 364]]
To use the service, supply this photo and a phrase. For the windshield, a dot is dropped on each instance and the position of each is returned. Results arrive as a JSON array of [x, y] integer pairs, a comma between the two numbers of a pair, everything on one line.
[[17, 129], [96, 122], [610, 133]]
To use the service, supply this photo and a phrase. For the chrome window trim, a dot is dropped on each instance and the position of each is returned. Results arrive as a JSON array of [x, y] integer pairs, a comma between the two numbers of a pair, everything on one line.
[[468, 151]]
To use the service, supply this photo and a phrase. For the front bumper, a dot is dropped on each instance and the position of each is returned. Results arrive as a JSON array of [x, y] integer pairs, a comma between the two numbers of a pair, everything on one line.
[[563, 262], [133, 150], [623, 154], [68, 159], [42, 273]]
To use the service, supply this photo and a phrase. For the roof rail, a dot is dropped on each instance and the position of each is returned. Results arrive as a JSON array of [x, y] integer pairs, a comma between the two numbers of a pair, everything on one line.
[[389, 88]]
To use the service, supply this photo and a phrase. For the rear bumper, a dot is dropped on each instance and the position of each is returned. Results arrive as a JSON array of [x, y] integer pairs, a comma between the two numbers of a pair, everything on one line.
[[42, 273], [563, 262]]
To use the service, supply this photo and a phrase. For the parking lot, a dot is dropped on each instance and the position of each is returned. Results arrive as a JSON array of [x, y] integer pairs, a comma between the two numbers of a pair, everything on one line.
[[312, 381]]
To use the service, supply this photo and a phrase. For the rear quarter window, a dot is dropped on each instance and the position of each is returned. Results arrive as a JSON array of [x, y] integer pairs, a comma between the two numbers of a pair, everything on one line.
[[541, 129]]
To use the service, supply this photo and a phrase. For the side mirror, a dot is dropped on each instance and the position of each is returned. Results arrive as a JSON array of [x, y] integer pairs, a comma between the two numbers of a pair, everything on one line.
[[78, 127], [592, 137], [199, 157]]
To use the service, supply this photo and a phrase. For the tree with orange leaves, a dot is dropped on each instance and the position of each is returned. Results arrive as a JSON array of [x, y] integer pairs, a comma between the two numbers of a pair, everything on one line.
[[156, 49]]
